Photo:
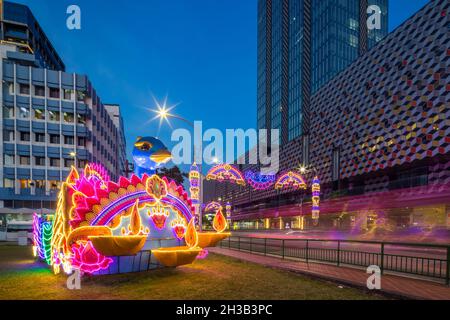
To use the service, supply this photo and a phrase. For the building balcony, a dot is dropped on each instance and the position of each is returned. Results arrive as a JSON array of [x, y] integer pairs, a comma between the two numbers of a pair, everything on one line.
[[39, 191]]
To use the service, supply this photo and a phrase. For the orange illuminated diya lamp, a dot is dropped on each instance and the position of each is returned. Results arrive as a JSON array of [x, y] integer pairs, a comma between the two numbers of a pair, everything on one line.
[[129, 243], [210, 239], [178, 256]]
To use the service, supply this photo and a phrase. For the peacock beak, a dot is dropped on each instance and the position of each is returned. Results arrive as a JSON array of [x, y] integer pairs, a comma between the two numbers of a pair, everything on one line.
[[161, 156]]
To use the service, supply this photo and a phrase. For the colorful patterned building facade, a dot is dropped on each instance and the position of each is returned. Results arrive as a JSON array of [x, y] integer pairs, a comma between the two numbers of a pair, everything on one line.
[[379, 138]]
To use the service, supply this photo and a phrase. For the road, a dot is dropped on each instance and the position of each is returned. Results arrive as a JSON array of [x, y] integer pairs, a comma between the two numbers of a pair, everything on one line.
[[416, 258]]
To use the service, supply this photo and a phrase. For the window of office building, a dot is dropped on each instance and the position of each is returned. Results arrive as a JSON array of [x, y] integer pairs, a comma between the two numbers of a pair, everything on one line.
[[55, 162], [68, 117], [54, 138], [82, 163], [39, 161], [68, 163], [39, 91], [24, 136], [24, 183], [353, 41], [81, 118], [82, 141], [9, 159], [81, 96], [68, 140], [39, 184], [54, 185], [8, 112], [54, 93], [10, 87], [353, 24], [8, 183], [24, 88], [39, 137], [67, 94], [24, 160], [8, 135], [39, 114], [53, 115], [24, 113]]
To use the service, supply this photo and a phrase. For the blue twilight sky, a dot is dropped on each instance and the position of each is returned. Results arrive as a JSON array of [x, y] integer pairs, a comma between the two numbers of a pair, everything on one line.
[[201, 53]]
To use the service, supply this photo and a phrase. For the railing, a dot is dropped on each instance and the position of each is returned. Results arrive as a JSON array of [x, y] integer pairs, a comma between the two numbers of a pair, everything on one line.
[[431, 261]]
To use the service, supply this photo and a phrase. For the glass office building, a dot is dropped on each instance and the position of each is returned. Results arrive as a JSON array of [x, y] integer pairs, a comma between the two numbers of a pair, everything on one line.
[[301, 46]]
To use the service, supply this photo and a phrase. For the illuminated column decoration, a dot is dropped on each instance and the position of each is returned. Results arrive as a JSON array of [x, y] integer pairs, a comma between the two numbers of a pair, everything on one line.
[[228, 213], [37, 237], [315, 199], [194, 189]]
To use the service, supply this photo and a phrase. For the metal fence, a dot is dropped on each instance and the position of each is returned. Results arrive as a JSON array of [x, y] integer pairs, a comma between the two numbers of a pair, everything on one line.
[[431, 261]]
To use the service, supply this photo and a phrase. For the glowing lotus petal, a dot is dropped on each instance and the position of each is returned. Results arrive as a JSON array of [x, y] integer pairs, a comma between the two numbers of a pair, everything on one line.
[[87, 259], [73, 176]]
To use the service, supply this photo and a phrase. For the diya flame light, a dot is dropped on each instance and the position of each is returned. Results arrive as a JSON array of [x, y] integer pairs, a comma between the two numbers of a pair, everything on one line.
[[191, 236], [219, 222], [135, 227]]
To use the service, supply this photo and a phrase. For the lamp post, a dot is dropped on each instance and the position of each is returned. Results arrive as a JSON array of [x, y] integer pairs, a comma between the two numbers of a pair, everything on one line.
[[315, 189]]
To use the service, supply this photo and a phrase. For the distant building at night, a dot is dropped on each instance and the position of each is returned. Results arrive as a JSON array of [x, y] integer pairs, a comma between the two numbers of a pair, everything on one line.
[[379, 140]]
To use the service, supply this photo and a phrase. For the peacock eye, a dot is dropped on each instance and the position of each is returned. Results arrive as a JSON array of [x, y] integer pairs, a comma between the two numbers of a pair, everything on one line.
[[144, 146]]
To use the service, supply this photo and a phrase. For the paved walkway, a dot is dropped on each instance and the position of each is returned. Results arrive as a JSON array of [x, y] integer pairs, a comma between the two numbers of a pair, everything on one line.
[[391, 284]]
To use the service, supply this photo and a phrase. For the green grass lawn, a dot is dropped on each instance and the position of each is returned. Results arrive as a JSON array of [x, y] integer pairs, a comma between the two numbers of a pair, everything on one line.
[[216, 277]]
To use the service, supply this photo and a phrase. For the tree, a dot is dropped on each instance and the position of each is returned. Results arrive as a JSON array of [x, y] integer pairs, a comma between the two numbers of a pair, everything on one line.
[[173, 173]]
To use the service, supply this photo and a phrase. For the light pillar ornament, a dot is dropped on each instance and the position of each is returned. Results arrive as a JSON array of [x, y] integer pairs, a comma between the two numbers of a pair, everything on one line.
[[194, 189], [228, 213], [315, 200]]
